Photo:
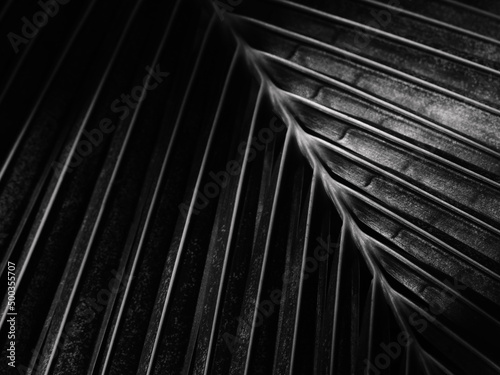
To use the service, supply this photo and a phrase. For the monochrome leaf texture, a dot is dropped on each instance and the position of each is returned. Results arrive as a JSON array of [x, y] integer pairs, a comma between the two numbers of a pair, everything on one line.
[[307, 192]]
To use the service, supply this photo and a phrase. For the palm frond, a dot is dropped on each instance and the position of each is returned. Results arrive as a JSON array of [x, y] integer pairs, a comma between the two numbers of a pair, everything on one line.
[[313, 187]]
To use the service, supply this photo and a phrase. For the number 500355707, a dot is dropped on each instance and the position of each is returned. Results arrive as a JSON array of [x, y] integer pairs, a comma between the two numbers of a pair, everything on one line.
[[11, 277]]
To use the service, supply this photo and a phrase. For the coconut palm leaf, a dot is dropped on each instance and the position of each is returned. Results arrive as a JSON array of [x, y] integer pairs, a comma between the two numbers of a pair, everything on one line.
[[265, 187]]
